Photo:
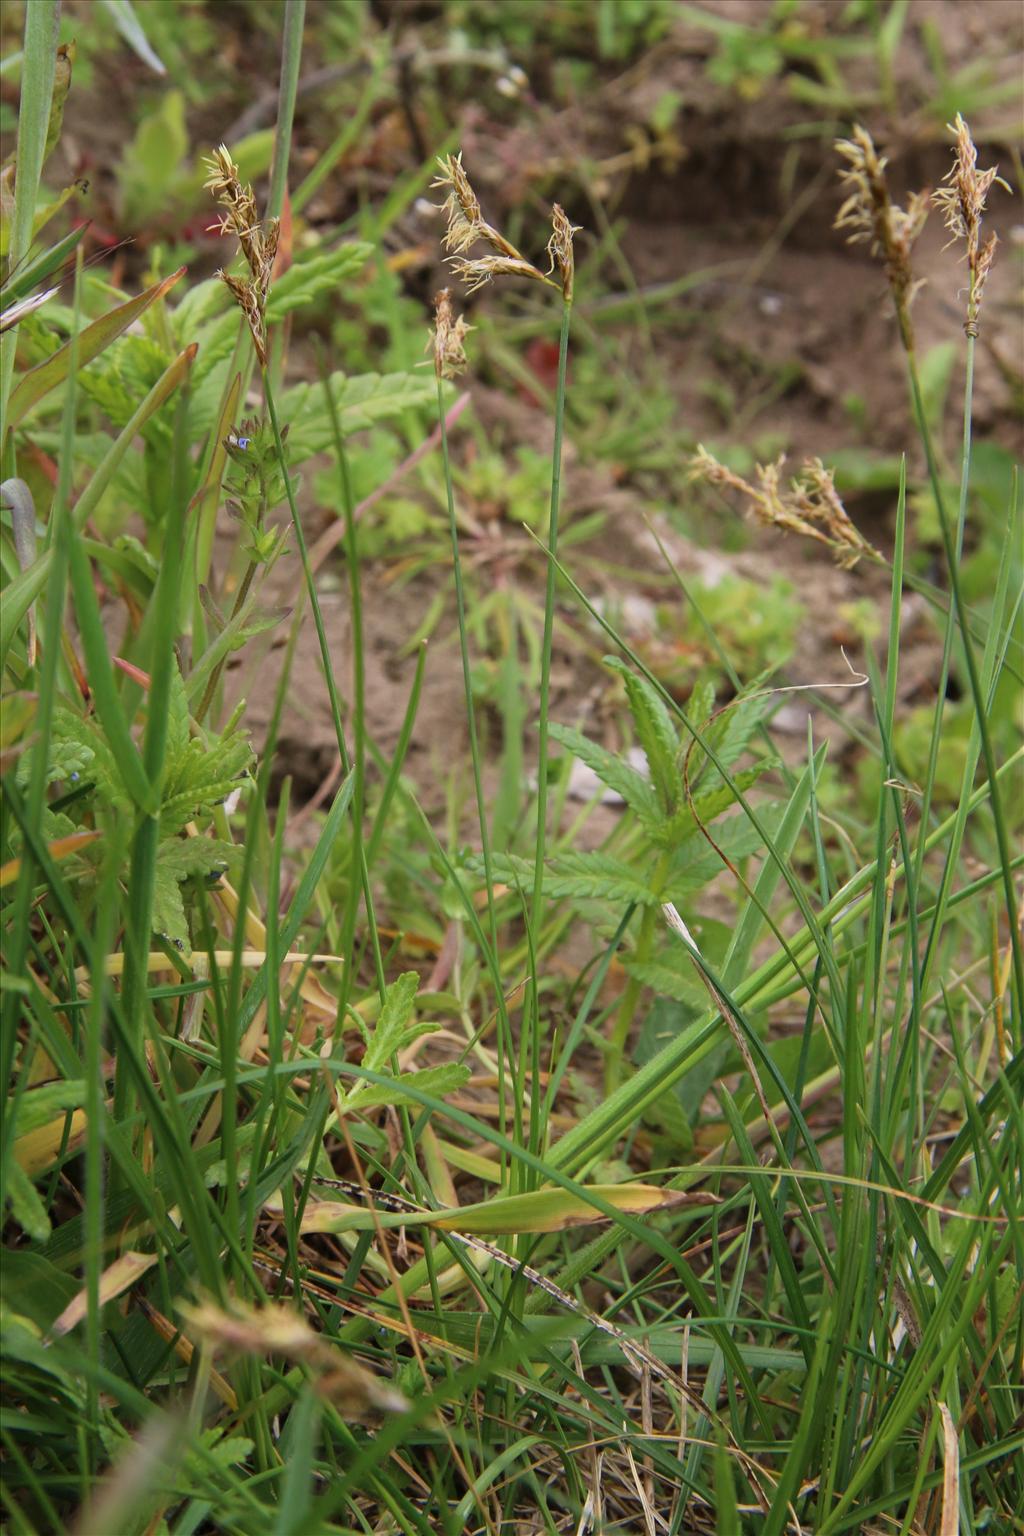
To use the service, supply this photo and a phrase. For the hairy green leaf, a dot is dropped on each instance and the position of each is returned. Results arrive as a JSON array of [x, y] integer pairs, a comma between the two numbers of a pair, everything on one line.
[[705, 807], [581, 876], [656, 734], [611, 770]]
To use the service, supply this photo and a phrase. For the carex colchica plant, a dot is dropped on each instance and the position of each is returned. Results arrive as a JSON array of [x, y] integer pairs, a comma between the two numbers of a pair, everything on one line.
[[468, 231], [871, 215]]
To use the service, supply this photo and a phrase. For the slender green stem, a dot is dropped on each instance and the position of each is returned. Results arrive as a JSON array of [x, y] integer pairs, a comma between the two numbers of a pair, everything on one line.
[[325, 653], [215, 675], [474, 752], [294, 19], [531, 1036], [42, 29], [950, 628], [360, 867], [631, 994], [959, 607]]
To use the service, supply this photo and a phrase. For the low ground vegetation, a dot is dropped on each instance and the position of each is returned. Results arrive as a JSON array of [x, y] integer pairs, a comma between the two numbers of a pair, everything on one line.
[[510, 846]]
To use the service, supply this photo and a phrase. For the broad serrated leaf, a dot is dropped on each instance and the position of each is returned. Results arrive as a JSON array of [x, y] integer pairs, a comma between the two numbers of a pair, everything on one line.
[[730, 734], [202, 303], [705, 807], [201, 776], [668, 977], [124, 376], [437, 1081], [26, 1206], [362, 401], [322, 272], [169, 909], [611, 770], [582, 876], [655, 733], [177, 716], [219, 322], [186, 857], [229, 1452], [393, 1030], [701, 704], [70, 756], [396, 1028], [79, 751], [695, 863]]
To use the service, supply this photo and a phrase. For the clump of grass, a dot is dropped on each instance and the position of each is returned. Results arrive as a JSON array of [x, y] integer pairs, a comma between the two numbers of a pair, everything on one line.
[[466, 227], [805, 1316]]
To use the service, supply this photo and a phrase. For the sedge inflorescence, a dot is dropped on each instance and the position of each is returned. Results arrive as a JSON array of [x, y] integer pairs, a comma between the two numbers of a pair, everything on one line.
[[448, 338], [468, 227], [809, 506], [872, 217], [962, 203], [257, 240]]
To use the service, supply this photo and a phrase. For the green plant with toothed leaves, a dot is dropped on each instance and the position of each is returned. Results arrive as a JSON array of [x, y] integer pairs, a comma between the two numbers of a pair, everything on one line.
[[671, 853], [201, 771]]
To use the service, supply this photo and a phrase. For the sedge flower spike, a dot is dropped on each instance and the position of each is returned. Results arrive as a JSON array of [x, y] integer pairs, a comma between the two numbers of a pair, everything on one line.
[[257, 241], [468, 227], [448, 337], [810, 506], [872, 218], [560, 250], [962, 203]]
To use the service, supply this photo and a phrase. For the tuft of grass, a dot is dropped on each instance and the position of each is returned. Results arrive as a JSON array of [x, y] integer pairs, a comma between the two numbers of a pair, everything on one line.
[[341, 1194]]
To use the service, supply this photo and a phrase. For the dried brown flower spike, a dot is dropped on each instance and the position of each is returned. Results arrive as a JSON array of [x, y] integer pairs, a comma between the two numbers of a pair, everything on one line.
[[873, 218], [810, 506], [448, 338], [278, 1330], [560, 249], [962, 204], [467, 226], [257, 240]]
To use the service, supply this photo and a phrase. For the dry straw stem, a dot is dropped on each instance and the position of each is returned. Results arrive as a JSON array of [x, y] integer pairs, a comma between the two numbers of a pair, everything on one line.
[[962, 204], [257, 240], [811, 505], [448, 337], [872, 217], [468, 227]]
